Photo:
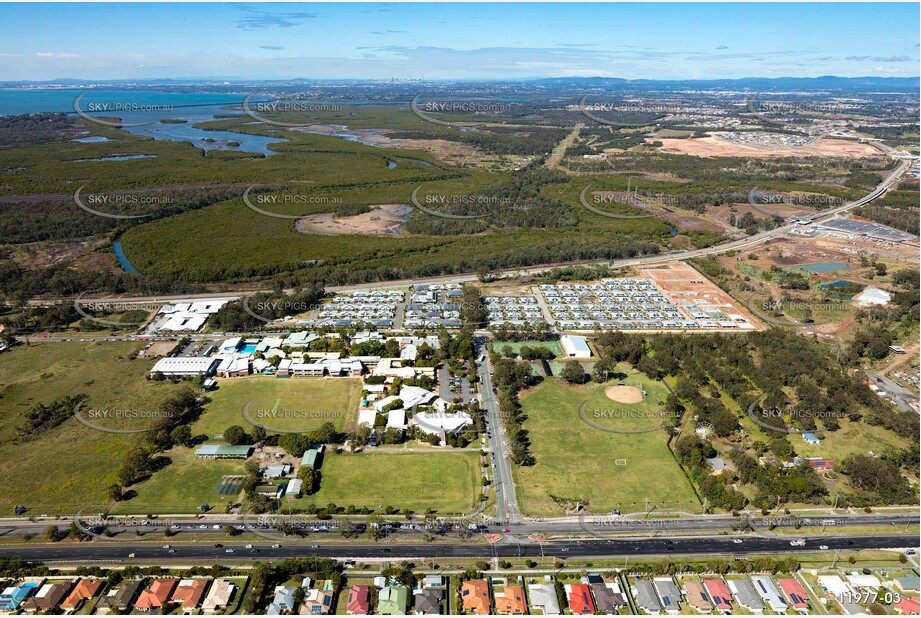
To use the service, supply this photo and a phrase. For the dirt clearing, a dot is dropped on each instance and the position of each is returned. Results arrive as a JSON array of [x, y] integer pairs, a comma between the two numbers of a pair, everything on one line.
[[383, 220], [716, 147], [624, 394]]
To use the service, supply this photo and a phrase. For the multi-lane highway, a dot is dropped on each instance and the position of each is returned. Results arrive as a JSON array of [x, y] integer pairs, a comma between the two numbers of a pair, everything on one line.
[[88, 553], [187, 527]]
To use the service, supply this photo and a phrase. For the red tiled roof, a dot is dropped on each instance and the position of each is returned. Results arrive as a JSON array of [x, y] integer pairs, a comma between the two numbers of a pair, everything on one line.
[[156, 594], [475, 595], [189, 592], [907, 606], [511, 601], [580, 599], [794, 593], [719, 592], [85, 589], [358, 600]]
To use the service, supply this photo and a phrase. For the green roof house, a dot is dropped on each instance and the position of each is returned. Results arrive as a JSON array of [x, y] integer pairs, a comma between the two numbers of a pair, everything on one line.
[[392, 601]]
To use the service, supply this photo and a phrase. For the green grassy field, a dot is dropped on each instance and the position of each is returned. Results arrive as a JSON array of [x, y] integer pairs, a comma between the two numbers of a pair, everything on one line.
[[295, 404], [182, 486], [76, 462], [553, 346], [578, 461], [446, 481]]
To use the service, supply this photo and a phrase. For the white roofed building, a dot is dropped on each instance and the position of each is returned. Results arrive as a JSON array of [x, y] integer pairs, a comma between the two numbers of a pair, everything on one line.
[[182, 366]]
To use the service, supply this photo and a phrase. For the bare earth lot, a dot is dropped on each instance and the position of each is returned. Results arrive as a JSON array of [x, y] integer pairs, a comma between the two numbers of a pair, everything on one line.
[[384, 220], [715, 147]]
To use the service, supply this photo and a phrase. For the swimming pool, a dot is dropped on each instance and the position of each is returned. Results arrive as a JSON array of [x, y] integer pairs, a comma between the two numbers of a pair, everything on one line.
[[249, 348]]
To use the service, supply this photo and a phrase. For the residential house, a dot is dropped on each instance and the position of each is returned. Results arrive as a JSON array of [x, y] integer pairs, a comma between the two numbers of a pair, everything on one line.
[[579, 598], [719, 592], [48, 598], [745, 595], [838, 590], [608, 597], [121, 597], [859, 580], [282, 601], [393, 600], [433, 581], [543, 599], [14, 596], [156, 595], [644, 593], [276, 471], [697, 598], [219, 596], [907, 606], [475, 596], [85, 589], [510, 601], [819, 463], [358, 601], [189, 593], [795, 593], [669, 594], [317, 602], [907, 583], [769, 593], [428, 601]]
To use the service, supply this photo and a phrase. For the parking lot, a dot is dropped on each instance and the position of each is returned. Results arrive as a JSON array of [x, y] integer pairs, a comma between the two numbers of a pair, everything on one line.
[[451, 388]]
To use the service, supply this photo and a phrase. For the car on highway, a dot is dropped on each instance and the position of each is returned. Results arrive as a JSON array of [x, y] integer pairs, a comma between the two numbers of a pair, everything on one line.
[[736, 541], [175, 527], [314, 547], [249, 546], [229, 550], [172, 551], [132, 555], [166, 547], [910, 552], [823, 546], [276, 546]]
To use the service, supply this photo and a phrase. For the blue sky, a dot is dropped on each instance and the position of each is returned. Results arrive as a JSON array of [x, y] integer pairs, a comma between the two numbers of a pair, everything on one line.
[[457, 41]]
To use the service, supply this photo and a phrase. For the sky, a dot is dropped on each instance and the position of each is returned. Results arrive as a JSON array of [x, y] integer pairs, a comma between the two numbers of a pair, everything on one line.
[[457, 41]]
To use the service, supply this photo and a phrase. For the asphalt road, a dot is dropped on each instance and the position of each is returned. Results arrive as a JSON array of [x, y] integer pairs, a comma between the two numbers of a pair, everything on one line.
[[506, 500], [86, 553], [596, 525]]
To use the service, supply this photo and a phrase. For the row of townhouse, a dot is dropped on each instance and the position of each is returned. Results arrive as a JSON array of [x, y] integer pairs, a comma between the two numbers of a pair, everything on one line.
[[164, 595], [755, 594]]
